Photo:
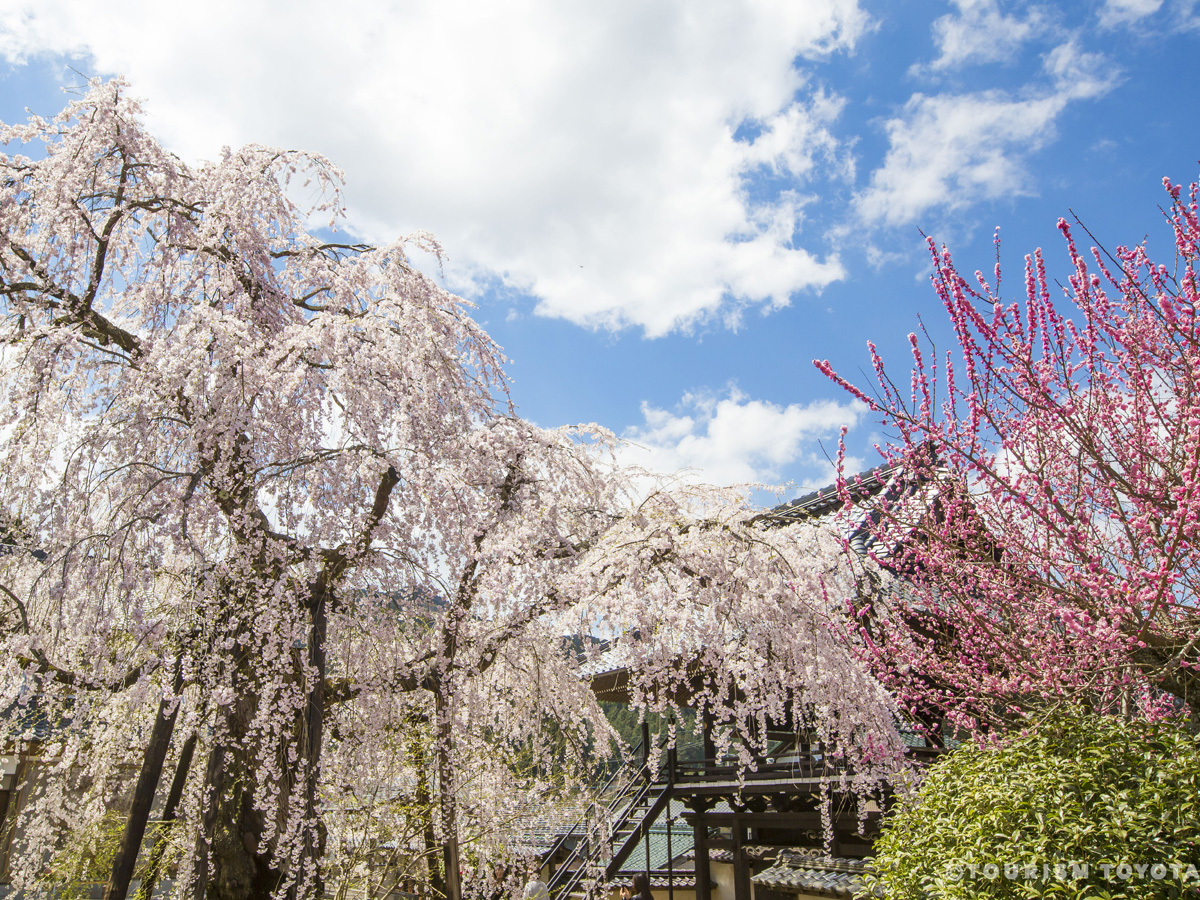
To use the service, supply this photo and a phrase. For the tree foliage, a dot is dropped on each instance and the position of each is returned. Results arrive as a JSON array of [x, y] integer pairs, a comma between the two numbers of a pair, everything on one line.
[[746, 616], [263, 495], [239, 453], [1081, 806], [1060, 444]]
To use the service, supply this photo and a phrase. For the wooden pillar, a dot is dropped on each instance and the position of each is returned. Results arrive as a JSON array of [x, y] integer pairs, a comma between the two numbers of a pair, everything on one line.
[[741, 864], [646, 749], [670, 851], [646, 838], [710, 747], [700, 849]]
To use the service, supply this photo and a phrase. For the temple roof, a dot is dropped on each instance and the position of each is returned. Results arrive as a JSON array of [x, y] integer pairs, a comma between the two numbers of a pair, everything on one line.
[[812, 872]]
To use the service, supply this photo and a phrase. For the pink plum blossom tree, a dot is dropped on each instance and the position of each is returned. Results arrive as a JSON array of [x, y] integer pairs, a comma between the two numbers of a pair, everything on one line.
[[1060, 446]]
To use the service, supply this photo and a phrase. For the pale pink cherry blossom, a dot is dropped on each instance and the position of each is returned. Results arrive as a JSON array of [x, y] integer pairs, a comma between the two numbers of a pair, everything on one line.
[[219, 430], [744, 613], [264, 496]]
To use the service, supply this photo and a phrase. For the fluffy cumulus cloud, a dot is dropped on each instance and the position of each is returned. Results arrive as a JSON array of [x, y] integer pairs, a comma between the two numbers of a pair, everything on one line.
[[734, 439], [594, 156], [948, 151]]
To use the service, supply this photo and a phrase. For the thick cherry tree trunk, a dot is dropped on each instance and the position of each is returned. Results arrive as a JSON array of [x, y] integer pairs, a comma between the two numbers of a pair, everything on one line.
[[241, 862], [214, 783], [312, 737], [228, 865]]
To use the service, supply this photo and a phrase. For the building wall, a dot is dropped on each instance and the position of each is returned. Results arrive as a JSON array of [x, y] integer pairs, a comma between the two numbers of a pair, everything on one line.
[[722, 875]]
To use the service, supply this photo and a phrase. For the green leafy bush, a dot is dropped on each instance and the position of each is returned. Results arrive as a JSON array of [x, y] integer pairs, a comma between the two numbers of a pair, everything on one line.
[[1081, 807]]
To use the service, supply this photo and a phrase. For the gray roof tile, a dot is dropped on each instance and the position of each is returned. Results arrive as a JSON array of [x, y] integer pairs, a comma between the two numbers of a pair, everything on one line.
[[811, 871]]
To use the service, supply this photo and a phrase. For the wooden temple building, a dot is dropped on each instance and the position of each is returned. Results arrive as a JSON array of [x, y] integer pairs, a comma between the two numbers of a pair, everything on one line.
[[708, 829], [705, 828]]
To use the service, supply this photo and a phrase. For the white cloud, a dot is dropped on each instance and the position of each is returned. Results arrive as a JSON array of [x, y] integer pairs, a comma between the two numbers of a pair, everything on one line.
[[1177, 16], [950, 151], [1079, 75], [980, 33], [735, 439], [584, 153], [1116, 13]]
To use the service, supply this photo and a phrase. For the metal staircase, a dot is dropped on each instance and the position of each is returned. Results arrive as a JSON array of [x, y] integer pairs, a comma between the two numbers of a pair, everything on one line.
[[632, 799]]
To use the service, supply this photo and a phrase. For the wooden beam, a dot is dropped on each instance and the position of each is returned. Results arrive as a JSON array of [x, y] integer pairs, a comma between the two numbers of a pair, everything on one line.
[[779, 819], [687, 787]]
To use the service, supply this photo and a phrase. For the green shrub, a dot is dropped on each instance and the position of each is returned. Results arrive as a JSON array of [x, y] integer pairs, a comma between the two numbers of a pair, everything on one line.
[[1081, 807]]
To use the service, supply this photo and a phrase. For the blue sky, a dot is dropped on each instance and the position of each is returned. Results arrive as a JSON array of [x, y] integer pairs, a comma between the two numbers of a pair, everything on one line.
[[666, 210]]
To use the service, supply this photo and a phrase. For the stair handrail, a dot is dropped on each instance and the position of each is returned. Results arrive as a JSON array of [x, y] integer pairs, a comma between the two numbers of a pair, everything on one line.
[[565, 836], [565, 885], [623, 797], [575, 875]]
